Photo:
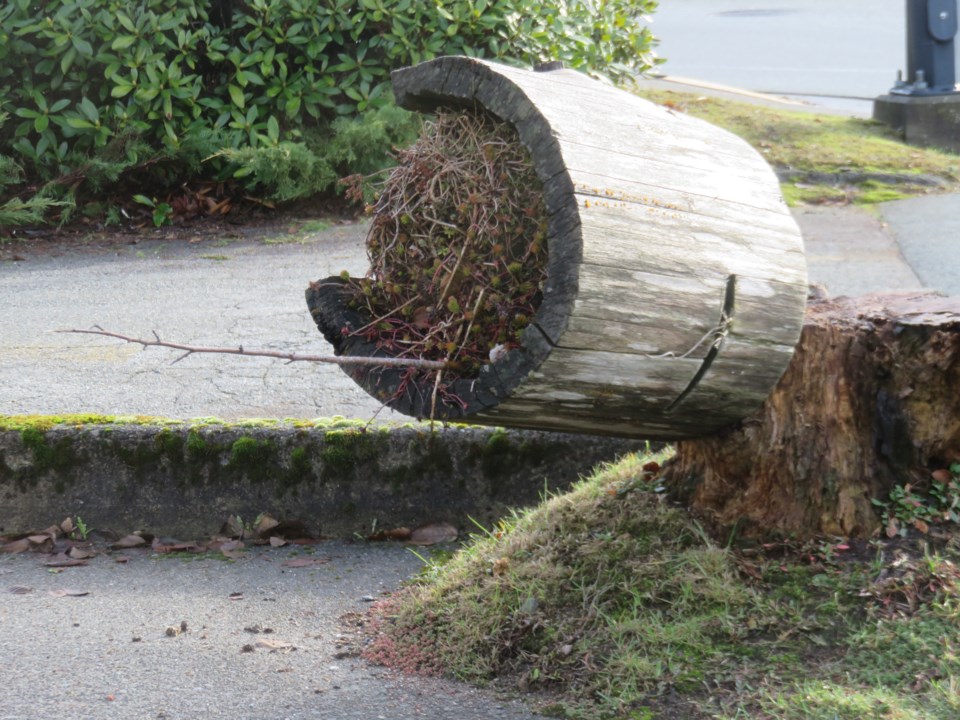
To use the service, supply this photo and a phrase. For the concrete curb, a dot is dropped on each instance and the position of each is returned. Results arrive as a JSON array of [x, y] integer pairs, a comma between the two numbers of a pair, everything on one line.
[[185, 479]]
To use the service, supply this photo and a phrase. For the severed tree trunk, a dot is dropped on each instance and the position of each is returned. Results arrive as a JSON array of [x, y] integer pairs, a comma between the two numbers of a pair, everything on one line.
[[870, 399]]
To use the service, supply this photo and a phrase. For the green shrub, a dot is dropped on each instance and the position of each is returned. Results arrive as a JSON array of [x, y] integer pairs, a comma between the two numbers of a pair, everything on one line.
[[86, 78], [284, 171]]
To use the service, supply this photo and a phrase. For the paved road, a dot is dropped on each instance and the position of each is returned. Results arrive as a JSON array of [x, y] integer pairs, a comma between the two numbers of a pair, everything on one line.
[[927, 230], [822, 48], [106, 655], [223, 293]]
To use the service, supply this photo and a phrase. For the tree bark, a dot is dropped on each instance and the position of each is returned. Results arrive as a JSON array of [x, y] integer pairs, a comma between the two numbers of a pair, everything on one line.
[[871, 399]]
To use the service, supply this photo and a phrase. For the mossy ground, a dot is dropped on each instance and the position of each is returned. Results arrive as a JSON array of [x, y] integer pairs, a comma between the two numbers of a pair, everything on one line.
[[812, 144], [611, 602]]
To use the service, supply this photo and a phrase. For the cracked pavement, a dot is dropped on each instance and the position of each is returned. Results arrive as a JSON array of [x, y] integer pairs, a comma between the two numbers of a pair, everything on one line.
[[243, 293]]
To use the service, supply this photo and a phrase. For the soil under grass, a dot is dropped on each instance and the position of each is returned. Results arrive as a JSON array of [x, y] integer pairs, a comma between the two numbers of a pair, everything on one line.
[[825, 158], [611, 602]]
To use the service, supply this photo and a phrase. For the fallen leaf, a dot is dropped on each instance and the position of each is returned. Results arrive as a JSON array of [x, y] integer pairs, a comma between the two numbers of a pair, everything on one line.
[[921, 525], [177, 547], [78, 553], [172, 631], [290, 529], [276, 541], [236, 596], [274, 645], [432, 534], [232, 528], [20, 590], [651, 467], [942, 475], [16, 546], [129, 541], [264, 524], [41, 543], [67, 526], [400, 533], [62, 561], [257, 629], [305, 562], [234, 549], [64, 592]]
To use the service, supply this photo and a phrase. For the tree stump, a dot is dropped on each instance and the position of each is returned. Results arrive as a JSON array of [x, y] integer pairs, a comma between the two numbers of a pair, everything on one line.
[[676, 279], [870, 399]]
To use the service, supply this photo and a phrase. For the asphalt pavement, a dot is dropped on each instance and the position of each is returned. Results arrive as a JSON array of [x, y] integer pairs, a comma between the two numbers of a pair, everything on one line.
[[204, 639], [221, 292], [836, 54]]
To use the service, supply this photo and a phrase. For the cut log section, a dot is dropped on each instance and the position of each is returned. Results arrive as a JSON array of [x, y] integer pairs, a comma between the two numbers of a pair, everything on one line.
[[676, 276]]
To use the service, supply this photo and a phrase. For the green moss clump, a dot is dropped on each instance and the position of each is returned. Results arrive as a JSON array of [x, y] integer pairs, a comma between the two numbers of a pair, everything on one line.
[[46, 457], [170, 444], [504, 453], [299, 472], [141, 457], [256, 459], [46, 422], [196, 445], [428, 457], [344, 450]]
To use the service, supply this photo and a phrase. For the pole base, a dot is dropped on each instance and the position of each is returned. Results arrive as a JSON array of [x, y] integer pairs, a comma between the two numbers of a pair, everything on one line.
[[925, 120]]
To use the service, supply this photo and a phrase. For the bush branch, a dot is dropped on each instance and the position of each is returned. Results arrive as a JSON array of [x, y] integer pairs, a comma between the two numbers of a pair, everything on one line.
[[289, 357]]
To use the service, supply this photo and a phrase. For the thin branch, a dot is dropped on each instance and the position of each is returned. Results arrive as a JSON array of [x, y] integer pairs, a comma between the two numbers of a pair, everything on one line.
[[290, 357]]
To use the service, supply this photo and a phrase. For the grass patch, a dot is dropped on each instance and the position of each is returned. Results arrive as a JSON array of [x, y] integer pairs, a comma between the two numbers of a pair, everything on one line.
[[611, 602], [825, 158], [300, 234]]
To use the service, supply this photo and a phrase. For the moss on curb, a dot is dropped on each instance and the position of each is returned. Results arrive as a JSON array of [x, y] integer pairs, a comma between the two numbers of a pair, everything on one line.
[[176, 476]]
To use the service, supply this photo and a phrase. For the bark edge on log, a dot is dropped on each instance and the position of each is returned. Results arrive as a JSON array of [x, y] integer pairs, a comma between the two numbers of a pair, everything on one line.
[[870, 400]]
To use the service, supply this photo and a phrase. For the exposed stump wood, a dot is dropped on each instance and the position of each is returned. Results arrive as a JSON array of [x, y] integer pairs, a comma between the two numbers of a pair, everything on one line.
[[676, 275], [870, 400]]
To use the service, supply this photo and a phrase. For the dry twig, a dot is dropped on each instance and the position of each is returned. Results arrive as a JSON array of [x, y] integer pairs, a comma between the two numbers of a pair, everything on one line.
[[289, 357], [457, 248]]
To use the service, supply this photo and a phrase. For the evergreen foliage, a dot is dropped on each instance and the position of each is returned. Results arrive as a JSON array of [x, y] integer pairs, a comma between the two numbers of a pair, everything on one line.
[[139, 83]]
